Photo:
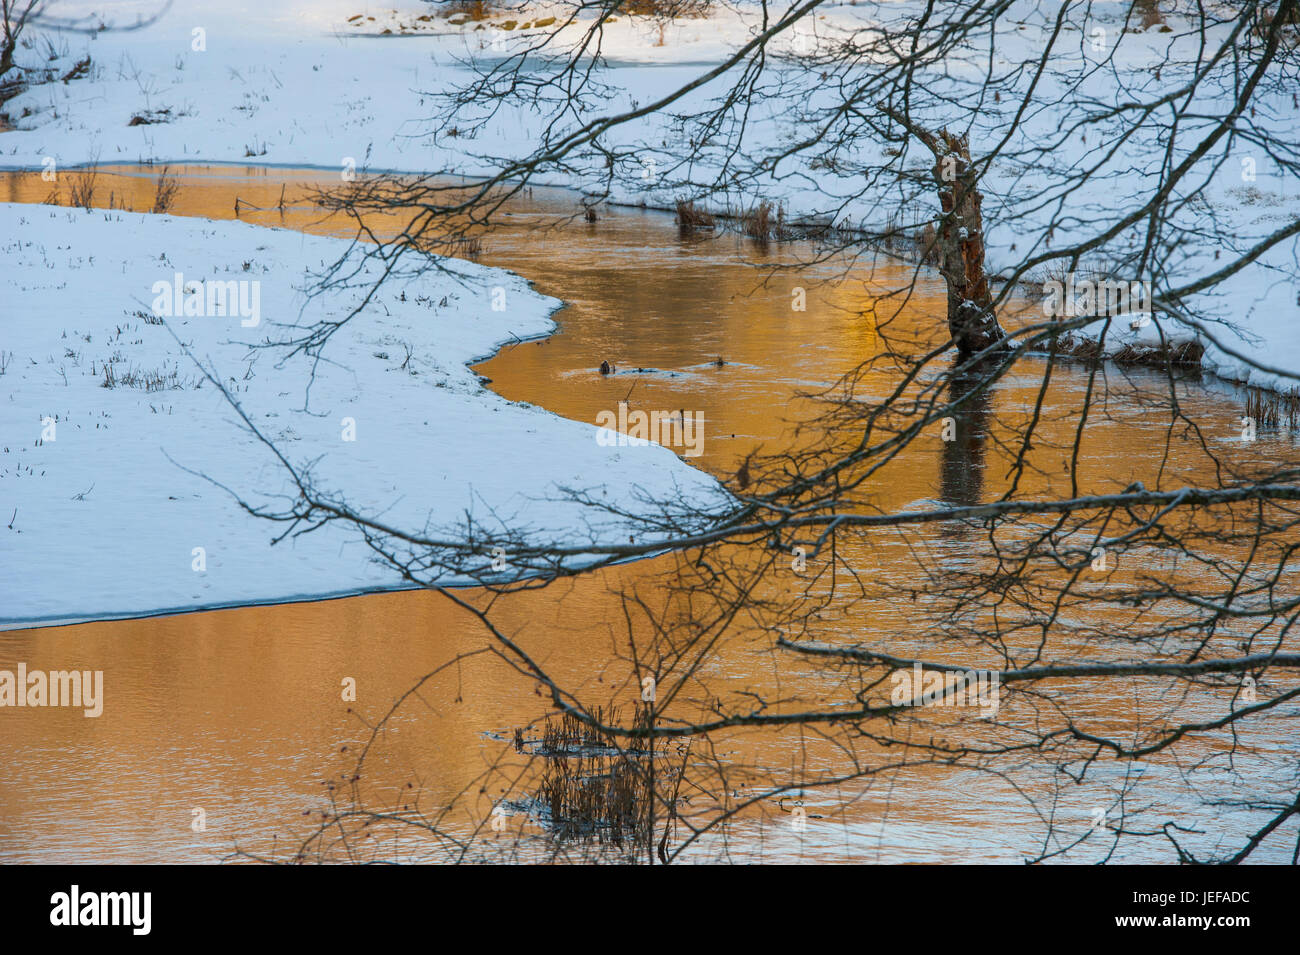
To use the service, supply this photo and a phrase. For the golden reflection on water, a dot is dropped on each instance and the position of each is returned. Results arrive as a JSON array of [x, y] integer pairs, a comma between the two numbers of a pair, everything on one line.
[[240, 712]]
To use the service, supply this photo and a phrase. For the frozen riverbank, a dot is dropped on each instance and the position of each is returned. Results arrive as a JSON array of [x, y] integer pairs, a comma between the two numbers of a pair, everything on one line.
[[107, 425]]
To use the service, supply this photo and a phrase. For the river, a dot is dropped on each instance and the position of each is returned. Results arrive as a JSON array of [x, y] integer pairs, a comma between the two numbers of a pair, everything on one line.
[[238, 712]]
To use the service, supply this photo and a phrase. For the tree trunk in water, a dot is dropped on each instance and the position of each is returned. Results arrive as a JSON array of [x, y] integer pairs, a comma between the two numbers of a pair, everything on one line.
[[960, 248], [959, 242]]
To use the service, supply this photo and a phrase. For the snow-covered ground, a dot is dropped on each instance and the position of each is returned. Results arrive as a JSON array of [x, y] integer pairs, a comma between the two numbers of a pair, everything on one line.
[[104, 503]]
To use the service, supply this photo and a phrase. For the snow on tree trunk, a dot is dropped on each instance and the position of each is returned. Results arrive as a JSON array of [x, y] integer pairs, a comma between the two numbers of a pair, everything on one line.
[[960, 247], [959, 240]]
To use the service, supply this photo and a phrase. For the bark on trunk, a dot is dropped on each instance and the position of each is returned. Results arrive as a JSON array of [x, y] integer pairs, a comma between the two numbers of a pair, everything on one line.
[[959, 241], [960, 246]]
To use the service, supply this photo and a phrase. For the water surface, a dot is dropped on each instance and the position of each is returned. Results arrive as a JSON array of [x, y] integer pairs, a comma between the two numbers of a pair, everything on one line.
[[239, 712]]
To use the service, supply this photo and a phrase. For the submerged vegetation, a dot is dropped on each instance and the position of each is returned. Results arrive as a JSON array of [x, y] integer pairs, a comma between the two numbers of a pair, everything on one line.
[[593, 788]]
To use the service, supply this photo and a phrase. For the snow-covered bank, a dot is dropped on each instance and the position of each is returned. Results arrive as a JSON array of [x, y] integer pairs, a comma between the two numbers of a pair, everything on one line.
[[348, 82], [101, 518], [1260, 328]]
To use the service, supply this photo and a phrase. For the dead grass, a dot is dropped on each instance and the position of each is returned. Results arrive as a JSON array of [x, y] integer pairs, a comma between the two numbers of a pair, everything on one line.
[[765, 222], [472, 9], [469, 246], [596, 799], [1273, 409], [147, 381], [756, 223], [83, 188], [665, 9], [166, 188], [595, 790], [691, 216], [570, 736], [149, 318], [591, 791]]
